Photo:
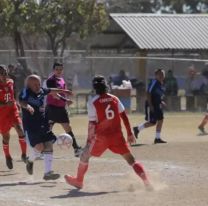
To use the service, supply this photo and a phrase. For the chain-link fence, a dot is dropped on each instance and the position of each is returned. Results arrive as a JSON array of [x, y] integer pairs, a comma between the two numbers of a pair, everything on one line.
[[186, 84]]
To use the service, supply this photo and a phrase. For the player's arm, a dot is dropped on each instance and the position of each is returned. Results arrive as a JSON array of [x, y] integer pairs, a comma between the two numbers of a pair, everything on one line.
[[130, 137], [149, 95], [91, 131], [92, 116], [23, 102], [149, 100], [57, 91], [125, 119]]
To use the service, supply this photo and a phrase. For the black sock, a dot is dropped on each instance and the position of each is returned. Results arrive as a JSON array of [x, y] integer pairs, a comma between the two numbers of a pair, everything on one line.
[[74, 145]]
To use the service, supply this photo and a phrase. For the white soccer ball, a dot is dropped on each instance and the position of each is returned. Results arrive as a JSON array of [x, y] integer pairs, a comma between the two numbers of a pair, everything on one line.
[[64, 140]]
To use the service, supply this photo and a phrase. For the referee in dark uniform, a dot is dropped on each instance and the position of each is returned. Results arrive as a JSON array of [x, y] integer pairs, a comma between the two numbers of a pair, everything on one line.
[[154, 106], [56, 105]]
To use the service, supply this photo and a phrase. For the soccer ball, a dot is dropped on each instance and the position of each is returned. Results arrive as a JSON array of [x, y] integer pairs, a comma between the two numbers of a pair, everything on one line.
[[64, 140]]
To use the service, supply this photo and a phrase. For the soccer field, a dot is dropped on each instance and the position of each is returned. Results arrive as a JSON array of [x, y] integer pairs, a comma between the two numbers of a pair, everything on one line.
[[178, 171]]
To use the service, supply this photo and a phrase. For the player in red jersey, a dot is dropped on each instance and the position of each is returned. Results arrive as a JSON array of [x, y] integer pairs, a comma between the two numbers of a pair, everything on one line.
[[105, 112], [9, 116]]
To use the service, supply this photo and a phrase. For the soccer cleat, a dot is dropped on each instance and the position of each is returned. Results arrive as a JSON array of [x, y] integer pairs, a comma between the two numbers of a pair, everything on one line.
[[24, 158], [51, 176], [159, 141], [9, 162], [148, 186], [73, 181], [29, 167], [136, 131], [202, 130], [78, 151]]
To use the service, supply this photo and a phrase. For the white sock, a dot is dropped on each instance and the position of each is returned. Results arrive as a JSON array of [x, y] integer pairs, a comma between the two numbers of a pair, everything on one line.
[[157, 135], [48, 158], [141, 127], [33, 154]]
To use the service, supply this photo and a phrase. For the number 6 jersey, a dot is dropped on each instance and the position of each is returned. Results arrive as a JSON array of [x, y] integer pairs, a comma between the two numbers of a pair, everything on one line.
[[105, 110]]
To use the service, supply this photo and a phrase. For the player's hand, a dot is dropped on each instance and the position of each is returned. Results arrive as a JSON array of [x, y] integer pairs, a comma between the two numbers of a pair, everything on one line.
[[30, 109], [68, 92], [163, 104], [131, 139], [69, 102]]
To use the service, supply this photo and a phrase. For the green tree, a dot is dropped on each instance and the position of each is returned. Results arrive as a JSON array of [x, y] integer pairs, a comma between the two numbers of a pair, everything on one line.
[[59, 19], [15, 16]]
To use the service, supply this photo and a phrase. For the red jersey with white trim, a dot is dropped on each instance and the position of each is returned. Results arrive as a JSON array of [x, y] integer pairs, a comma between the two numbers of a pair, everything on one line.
[[7, 91], [105, 110], [9, 114]]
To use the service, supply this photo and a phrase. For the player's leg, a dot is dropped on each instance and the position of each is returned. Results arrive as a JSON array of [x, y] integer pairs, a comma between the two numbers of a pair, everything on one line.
[[77, 149], [77, 181], [95, 147], [5, 143], [48, 160], [159, 116], [203, 123], [22, 141], [137, 167], [150, 121]]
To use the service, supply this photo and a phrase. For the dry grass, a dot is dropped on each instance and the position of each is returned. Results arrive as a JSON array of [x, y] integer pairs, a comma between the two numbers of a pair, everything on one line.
[[178, 171]]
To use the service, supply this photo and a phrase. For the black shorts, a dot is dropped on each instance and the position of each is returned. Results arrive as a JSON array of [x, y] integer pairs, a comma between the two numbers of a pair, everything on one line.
[[154, 116], [35, 138], [57, 114]]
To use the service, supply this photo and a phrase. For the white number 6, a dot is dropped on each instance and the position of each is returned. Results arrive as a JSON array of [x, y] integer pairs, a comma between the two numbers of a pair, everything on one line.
[[109, 113]]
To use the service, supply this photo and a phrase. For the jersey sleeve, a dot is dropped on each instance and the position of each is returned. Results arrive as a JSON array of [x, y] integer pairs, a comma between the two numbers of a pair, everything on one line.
[[151, 86], [46, 91], [120, 107], [51, 83], [92, 114], [23, 96]]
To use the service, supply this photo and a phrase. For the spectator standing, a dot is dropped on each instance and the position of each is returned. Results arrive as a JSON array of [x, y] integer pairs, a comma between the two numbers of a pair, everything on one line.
[[194, 83], [171, 85]]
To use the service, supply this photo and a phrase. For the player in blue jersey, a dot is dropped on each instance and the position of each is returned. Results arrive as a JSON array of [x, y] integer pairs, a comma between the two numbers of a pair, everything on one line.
[[154, 106], [36, 124]]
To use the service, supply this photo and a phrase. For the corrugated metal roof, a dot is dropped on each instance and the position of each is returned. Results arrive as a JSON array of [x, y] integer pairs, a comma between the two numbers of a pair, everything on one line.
[[153, 31]]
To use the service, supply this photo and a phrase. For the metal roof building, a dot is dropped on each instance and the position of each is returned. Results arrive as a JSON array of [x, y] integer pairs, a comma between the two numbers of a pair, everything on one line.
[[153, 31]]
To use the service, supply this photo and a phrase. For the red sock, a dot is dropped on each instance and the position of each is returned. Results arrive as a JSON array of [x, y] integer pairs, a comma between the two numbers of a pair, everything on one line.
[[138, 168], [82, 169], [6, 150], [23, 145]]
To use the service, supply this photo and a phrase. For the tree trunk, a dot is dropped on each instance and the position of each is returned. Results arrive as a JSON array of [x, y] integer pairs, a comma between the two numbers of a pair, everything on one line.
[[19, 49]]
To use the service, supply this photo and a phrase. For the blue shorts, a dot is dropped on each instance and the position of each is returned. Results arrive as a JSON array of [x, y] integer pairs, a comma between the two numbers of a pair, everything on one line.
[[35, 138], [153, 116]]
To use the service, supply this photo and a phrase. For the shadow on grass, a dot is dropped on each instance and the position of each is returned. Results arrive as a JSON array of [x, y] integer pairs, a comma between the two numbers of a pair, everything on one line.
[[138, 145], [78, 193], [7, 174], [8, 184], [202, 134]]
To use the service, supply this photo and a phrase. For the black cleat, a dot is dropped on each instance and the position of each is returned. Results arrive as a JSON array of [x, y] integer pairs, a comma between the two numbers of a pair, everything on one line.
[[159, 141], [9, 162], [202, 130], [29, 167], [51, 176], [136, 131], [24, 158]]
